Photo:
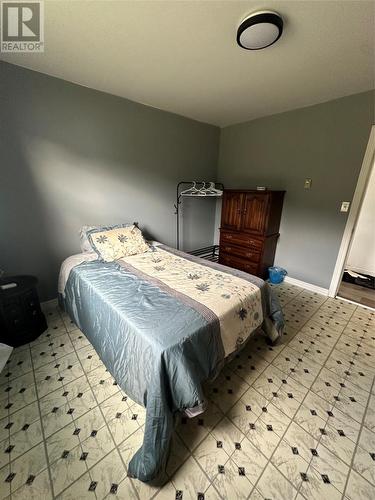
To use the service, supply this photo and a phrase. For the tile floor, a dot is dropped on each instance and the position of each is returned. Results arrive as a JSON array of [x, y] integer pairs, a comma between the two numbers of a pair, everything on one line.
[[294, 421]]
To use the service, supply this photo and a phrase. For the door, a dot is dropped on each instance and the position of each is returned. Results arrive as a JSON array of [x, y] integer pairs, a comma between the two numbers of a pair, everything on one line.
[[231, 211], [358, 280], [367, 164], [254, 213]]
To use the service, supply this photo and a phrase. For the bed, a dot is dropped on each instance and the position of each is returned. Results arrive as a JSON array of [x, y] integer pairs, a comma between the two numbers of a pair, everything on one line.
[[163, 322]]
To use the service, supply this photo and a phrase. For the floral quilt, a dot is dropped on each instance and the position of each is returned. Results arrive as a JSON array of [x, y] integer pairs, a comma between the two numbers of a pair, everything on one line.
[[235, 301]]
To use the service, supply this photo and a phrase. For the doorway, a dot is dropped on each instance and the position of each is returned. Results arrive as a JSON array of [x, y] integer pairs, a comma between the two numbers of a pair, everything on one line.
[[354, 275], [358, 280]]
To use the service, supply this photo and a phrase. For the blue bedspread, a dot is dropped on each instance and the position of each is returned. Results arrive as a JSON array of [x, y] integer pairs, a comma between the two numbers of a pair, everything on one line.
[[159, 344]]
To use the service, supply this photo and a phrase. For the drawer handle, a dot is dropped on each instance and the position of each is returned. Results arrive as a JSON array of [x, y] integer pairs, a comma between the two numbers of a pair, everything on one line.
[[229, 236], [228, 249]]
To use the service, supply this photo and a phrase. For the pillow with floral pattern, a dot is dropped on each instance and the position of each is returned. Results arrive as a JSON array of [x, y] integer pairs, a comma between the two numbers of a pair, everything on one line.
[[119, 242], [83, 234]]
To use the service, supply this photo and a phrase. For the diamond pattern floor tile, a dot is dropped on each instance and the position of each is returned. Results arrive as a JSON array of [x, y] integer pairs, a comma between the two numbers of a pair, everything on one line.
[[295, 420]]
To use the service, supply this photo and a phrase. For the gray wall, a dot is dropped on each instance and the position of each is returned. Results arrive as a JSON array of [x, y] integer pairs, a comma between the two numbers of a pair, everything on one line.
[[70, 156], [325, 142]]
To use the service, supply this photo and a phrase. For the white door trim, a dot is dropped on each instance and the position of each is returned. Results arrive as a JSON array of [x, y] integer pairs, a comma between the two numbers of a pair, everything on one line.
[[363, 178]]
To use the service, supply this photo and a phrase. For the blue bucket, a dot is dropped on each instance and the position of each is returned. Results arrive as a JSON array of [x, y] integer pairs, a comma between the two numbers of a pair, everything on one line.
[[276, 274]]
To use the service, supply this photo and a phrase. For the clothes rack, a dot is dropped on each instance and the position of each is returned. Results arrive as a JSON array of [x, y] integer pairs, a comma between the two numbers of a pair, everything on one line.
[[197, 189]]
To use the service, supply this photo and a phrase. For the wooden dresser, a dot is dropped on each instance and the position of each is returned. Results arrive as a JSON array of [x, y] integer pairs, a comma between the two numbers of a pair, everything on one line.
[[249, 229]]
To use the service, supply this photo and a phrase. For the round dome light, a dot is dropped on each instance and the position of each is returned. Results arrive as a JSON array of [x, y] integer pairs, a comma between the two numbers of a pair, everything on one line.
[[259, 30]]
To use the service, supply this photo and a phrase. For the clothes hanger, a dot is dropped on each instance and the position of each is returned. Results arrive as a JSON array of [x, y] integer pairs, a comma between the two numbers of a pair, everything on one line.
[[213, 189], [209, 189], [202, 191], [191, 190]]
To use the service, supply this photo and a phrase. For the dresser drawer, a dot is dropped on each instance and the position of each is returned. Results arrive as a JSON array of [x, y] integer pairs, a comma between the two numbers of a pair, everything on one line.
[[244, 240], [238, 263], [246, 253]]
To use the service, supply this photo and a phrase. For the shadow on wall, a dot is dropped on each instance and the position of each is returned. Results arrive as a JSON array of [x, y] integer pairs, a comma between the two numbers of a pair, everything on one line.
[[25, 242], [73, 156]]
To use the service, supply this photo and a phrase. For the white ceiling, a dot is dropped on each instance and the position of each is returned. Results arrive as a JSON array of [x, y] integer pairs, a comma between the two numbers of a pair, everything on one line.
[[182, 56]]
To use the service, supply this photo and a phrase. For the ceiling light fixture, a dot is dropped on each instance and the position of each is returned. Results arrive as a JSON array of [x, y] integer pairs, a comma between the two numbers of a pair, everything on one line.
[[259, 30]]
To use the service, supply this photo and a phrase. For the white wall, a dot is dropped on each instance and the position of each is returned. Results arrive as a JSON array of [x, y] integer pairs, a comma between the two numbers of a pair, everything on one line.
[[362, 253]]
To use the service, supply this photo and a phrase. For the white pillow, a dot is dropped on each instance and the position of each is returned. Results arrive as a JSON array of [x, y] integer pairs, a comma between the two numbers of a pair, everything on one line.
[[118, 242], [86, 246]]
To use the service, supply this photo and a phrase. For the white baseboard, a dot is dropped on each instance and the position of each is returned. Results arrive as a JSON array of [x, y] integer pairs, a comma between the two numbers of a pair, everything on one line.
[[307, 286]]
